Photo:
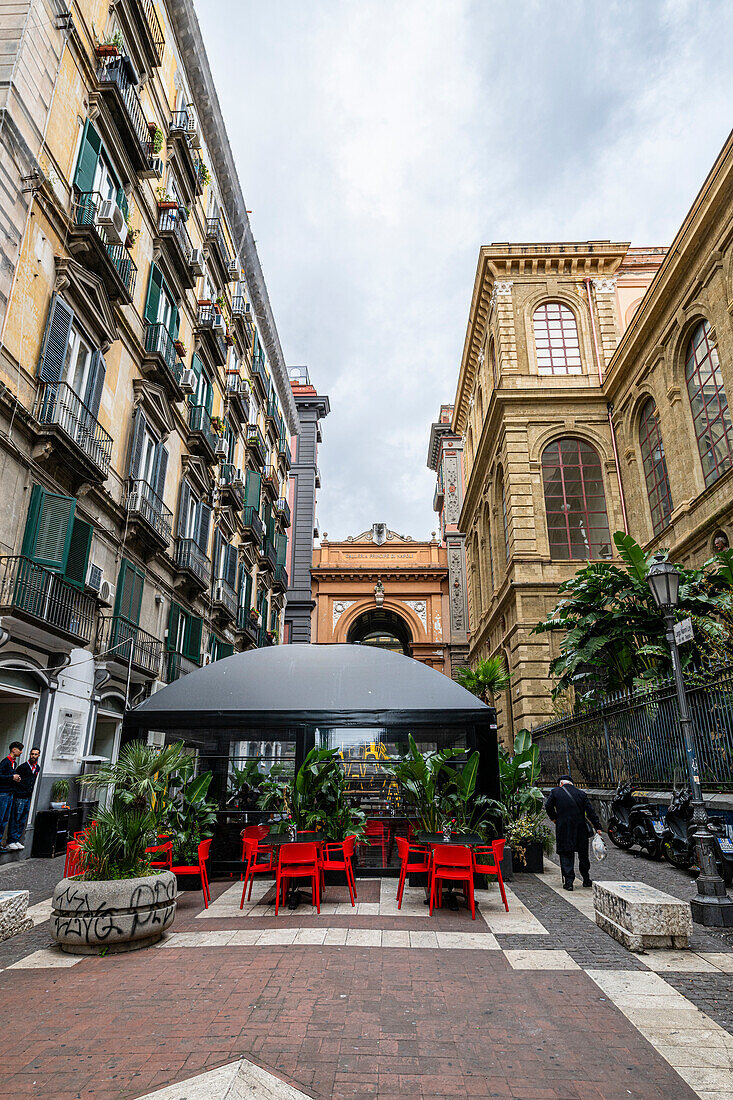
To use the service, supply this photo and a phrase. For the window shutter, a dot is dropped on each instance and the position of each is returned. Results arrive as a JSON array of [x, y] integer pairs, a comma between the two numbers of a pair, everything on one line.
[[183, 509], [194, 628], [208, 395], [252, 487], [198, 368], [175, 322], [95, 385], [230, 565], [48, 528], [245, 590], [155, 287], [55, 341], [203, 526], [130, 583], [161, 468], [122, 202], [86, 166], [77, 558], [218, 555], [138, 437], [173, 620], [281, 546], [226, 649]]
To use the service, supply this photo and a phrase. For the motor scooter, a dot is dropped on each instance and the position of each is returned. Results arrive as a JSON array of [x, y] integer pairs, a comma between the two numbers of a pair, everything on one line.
[[678, 844], [633, 823]]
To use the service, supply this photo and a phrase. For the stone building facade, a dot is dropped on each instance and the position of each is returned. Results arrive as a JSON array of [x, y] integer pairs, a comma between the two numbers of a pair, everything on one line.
[[145, 406]]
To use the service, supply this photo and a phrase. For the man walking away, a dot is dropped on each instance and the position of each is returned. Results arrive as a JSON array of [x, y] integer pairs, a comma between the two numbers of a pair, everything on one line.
[[569, 809], [8, 782], [22, 794]]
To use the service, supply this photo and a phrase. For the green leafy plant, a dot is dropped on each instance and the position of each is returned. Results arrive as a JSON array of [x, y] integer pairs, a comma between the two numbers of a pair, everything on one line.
[[518, 775], [249, 782], [423, 778], [188, 817], [316, 799], [204, 174], [157, 140], [487, 680], [526, 829], [60, 790]]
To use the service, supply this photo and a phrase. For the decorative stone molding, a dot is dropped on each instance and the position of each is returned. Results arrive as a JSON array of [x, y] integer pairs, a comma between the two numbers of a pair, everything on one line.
[[339, 606], [419, 607], [501, 288], [674, 394], [604, 286]]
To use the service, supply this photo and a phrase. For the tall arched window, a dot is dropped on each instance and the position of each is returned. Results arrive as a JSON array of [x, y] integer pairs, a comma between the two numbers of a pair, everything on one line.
[[575, 501], [655, 467], [709, 404], [556, 339]]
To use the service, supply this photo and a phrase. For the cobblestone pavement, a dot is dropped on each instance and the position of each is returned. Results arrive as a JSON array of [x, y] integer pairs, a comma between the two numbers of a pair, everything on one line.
[[534, 1004]]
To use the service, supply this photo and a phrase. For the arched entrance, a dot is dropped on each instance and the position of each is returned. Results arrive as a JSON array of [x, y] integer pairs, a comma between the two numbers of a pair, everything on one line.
[[383, 629]]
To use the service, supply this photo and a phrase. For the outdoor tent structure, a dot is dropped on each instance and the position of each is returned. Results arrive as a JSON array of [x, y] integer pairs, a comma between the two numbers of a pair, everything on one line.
[[274, 704]]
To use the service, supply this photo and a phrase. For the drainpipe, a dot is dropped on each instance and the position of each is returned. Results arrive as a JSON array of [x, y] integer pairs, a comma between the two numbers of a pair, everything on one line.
[[609, 406]]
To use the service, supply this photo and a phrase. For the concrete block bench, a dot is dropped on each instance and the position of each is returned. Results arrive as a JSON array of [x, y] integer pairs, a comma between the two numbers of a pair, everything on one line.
[[13, 907], [640, 917]]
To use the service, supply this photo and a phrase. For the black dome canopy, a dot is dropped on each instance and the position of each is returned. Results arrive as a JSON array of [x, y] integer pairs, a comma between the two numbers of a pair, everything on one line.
[[291, 682]]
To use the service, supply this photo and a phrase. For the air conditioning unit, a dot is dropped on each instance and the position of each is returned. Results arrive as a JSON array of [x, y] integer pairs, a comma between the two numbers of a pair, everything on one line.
[[197, 261], [247, 309], [220, 450], [234, 272], [112, 220], [219, 324], [106, 593], [192, 133], [156, 166], [188, 381], [156, 738], [94, 577], [206, 659]]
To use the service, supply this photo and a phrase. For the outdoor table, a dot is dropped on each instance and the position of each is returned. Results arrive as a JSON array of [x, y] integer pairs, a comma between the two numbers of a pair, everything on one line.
[[278, 840], [434, 840]]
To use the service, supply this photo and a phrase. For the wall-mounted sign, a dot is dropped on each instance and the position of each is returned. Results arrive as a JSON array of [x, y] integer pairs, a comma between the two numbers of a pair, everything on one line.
[[68, 735]]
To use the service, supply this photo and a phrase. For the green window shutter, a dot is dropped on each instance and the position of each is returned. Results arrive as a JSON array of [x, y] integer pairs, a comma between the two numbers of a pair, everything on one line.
[[139, 425], [208, 395], [122, 202], [225, 649], [155, 289], [173, 619], [161, 468], [230, 564], [252, 489], [86, 166], [184, 505], [77, 558], [95, 385], [55, 341], [198, 369], [281, 547], [48, 528], [128, 598], [245, 590], [192, 642], [175, 322]]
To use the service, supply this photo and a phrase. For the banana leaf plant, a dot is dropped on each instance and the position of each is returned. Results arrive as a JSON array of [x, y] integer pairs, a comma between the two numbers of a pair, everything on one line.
[[316, 798], [518, 775], [188, 817]]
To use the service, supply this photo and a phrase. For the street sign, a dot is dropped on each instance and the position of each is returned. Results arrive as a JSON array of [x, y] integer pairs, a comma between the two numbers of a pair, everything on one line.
[[683, 631]]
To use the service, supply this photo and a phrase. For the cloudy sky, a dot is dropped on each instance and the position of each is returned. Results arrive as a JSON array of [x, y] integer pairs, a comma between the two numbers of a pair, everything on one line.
[[381, 142]]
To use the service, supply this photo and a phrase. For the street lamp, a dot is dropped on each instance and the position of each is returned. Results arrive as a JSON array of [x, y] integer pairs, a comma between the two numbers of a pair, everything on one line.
[[711, 906]]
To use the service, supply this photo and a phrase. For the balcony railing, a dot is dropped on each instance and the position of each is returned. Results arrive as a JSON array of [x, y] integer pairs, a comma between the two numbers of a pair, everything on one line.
[[225, 596], [145, 504], [199, 421], [254, 439], [173, 226], [258, 371], [266, 637], [149, 14], [46, 598], [114, 72], [281, 577], [284, 452], [215, 233], [178, 665], [119, 640], [283, 510], [191, 557], [247, 623], [158, 341], [251, 519], [242, 310], [238, 389], [267, 554], [87, 212], [270, 480], [64, 409], [182, 120]]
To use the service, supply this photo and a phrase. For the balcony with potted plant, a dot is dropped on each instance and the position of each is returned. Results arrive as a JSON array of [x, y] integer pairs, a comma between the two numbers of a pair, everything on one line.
[[248, 626], [161, 361], [270, 482], [210, 324], [97, 239], [202, 436], [117, 81], [174, 237], [255, 444]]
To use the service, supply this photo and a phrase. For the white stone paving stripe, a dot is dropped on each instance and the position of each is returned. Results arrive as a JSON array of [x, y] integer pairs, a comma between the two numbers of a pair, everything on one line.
[[231, 1082], [339, 937], [695, 1046], [39, 912], [47, 956], [540, 960]]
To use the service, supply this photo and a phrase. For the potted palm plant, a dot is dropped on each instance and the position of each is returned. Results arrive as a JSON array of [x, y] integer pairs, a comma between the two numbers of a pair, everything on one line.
[[188, 817]]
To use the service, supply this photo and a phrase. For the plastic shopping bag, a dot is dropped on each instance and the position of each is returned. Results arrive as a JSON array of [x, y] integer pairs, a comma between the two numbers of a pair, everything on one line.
[[600, 851]]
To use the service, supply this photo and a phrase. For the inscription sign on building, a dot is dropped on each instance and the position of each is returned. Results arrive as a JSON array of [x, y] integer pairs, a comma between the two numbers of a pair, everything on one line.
[[68, 735]]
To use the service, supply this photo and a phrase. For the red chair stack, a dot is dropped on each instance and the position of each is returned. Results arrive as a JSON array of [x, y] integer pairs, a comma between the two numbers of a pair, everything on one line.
[[486, 861], [298, 861], [413, 857], [198, 869], [451, 863], [375, 836]]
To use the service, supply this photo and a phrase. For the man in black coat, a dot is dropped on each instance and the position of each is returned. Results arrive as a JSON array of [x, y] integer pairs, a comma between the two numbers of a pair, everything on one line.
[[569, 809]]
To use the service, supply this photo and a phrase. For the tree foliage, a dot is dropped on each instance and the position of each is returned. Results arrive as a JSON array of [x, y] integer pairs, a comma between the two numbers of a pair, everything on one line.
[[487, 680], [613, 633]]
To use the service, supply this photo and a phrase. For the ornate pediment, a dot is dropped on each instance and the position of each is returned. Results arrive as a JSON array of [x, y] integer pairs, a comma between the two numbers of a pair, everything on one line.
[[227, 522], [379, 535], [85, 293], [155, 403], [197, 472]]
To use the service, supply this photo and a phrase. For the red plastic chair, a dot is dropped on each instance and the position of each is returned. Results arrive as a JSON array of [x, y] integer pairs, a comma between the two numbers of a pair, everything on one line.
[[257, 833], [198, 869], [251, 851], [413, 857], [451, 863], [74, 862], [299, 860], [483, 865], [375, 837], [336, 856], [167, 859]]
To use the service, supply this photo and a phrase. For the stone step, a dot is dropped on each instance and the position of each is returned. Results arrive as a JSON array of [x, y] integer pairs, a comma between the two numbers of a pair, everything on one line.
[[641, 917], [13, 913]]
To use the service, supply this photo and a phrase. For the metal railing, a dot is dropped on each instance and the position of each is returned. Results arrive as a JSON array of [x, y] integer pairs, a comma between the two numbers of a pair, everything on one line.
[[281, 577], [215, 233], [123, 641], [283, 510], [238, 387], [225, 596], [178, 665], [46, 597], [258, 370], [114, 71], [156, 31], [265, 638], [171, 223], [190, 556], [64, 409], [241, 308], [247, 623], [158, 341], [253, 438], [270, 479], [251, 519], [284, 452], [636, 737], [87, 210], [267, 552], [142, 501], [182, 120], [199, 421]]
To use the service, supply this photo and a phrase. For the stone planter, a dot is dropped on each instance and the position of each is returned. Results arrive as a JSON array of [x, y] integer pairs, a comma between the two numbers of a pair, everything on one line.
[[533, 862], [117, 914]]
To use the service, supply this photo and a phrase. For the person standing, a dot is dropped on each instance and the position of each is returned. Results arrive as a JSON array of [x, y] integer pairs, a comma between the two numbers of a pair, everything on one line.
[[570, 809], [8, 781], [27, 774]]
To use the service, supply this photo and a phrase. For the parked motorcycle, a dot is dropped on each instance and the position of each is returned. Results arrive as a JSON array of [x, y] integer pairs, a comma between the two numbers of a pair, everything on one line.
[[633, 823], [678, 845]]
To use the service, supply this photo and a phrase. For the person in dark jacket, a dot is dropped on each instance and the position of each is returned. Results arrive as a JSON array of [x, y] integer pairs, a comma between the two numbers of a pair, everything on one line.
[[569, 808], [9, 779], [22, 794]]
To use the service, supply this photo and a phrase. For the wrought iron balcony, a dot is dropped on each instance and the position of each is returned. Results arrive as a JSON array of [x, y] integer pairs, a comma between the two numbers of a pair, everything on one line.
[[64, 412], [200, 432], [225, 598], [145, 18], [239, 394], [284, 452], [161, 362], [211, 329], [172, 229], [259, 374], [242, 312], [215, 234], [283, 510], [266, 637], [231, 484], [144, 505], [191, 559], [118, 640], [252, 523], [255, 441], [280, 580], [124, 105], [247, 624], [44, 598], [268, 557], [178, 665], [270, 481], [112, 262]]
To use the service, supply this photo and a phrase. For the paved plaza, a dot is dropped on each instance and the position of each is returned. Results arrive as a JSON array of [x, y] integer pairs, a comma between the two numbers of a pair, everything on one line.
[[534, 1004]]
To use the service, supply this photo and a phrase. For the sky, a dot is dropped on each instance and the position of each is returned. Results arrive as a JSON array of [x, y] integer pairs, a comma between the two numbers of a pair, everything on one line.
[[380, 143]]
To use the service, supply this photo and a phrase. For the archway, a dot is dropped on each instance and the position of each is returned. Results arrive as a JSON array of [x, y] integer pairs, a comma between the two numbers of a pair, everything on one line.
[[383, 629]]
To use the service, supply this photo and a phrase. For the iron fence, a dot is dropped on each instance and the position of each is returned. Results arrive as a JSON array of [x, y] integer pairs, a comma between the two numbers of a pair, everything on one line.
[[636, 737]]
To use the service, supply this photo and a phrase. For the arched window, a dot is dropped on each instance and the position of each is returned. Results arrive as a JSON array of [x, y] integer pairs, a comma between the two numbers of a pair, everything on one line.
[[709, 404], [556, 339], [655, 467], [575, 502]]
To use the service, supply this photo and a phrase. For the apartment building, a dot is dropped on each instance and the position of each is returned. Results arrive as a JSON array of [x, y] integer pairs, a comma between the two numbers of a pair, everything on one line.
[[145, 406]]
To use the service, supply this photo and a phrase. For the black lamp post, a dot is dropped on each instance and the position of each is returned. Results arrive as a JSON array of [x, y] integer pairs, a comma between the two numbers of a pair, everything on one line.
[[711, 906]]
